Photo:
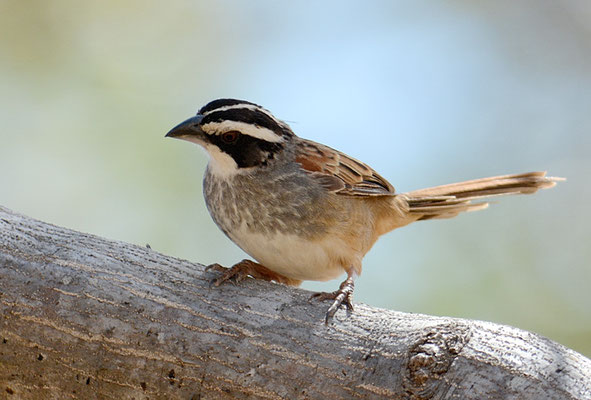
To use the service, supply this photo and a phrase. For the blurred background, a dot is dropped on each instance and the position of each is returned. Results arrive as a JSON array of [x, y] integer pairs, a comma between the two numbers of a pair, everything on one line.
[[426, 92]]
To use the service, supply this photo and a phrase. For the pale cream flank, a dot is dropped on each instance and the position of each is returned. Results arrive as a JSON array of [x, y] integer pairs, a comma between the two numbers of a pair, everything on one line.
[[296, 257]]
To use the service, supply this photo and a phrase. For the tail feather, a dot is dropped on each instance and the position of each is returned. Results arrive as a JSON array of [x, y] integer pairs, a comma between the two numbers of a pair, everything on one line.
[[447, 201]]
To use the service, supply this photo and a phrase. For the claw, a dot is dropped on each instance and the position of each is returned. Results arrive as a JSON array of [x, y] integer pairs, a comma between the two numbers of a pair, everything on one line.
[[226, 274], [343, 296], [216, 267], [245, 268]]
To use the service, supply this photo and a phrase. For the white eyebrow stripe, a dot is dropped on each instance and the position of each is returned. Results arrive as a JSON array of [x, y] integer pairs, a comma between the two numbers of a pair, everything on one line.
[[217, 128], [244, 106]]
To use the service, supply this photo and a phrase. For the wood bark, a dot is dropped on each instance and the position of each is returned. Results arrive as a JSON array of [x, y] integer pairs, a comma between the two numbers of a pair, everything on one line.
[[84, 317]]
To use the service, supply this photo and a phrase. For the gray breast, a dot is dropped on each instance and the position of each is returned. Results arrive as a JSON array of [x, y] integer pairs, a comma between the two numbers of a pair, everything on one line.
[[285, 201]]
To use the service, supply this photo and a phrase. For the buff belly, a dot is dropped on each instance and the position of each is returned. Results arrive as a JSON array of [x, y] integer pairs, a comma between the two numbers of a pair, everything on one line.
[[293, 256]]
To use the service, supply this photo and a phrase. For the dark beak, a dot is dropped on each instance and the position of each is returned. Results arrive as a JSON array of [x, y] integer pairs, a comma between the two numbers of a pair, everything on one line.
[[186, 128]]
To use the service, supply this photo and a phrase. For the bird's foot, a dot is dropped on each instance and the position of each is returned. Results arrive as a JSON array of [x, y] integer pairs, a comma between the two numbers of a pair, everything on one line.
[[343, 296], [239, 271]]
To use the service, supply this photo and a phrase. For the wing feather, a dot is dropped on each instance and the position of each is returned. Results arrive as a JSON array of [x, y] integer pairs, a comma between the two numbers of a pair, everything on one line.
[[340, 173]]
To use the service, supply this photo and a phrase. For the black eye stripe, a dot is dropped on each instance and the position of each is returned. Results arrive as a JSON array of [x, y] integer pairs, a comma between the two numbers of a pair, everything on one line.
[[247, 151]]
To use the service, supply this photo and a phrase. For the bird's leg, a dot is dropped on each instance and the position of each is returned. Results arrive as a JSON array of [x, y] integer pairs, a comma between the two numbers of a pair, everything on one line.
[[343, 296], [239, 271]]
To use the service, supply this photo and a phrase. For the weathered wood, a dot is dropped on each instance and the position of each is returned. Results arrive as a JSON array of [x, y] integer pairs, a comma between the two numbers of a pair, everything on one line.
[[85, 317]]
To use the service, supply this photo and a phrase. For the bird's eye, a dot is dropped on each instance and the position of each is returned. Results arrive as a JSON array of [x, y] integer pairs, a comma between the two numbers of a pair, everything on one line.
[[230, 137]]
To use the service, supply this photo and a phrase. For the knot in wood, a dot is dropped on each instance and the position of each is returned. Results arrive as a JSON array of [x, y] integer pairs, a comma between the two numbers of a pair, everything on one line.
[[430, 358]]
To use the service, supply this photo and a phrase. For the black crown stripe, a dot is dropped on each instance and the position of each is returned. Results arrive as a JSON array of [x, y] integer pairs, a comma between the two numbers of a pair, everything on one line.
[[248, 116], [215, 104]]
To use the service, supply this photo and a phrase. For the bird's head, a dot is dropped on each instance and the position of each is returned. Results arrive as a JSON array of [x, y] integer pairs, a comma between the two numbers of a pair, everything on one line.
[[237, 134]]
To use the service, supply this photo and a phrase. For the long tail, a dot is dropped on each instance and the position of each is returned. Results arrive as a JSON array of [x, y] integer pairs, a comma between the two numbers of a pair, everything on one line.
[[447, 201]]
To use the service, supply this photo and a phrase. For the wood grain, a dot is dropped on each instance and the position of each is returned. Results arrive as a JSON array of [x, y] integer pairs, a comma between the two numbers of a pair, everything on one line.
[[84, 317]]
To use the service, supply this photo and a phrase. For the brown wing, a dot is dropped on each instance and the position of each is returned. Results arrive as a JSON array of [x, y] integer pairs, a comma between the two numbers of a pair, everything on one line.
[[340, 173]]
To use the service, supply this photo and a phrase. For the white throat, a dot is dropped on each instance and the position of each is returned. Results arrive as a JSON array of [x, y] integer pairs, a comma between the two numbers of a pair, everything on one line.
[[220, 163]]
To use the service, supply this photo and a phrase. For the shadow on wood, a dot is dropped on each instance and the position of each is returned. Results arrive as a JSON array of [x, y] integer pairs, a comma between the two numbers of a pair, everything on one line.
[[85, 317]]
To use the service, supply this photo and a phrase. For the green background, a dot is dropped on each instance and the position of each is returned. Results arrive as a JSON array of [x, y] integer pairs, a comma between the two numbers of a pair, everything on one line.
[[427, 92]]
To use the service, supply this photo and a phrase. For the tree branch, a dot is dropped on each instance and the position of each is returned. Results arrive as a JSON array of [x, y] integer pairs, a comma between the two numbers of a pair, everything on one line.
[[86, 317]]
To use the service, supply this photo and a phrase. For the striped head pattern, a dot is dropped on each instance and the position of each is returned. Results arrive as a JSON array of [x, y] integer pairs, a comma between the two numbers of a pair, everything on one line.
[[237, 134]]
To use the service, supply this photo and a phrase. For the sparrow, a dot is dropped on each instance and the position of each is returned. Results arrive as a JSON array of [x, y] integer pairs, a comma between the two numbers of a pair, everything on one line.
[[305, 211]]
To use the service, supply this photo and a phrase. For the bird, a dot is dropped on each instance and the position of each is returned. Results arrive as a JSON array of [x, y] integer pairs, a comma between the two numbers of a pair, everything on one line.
[[305, 211]]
